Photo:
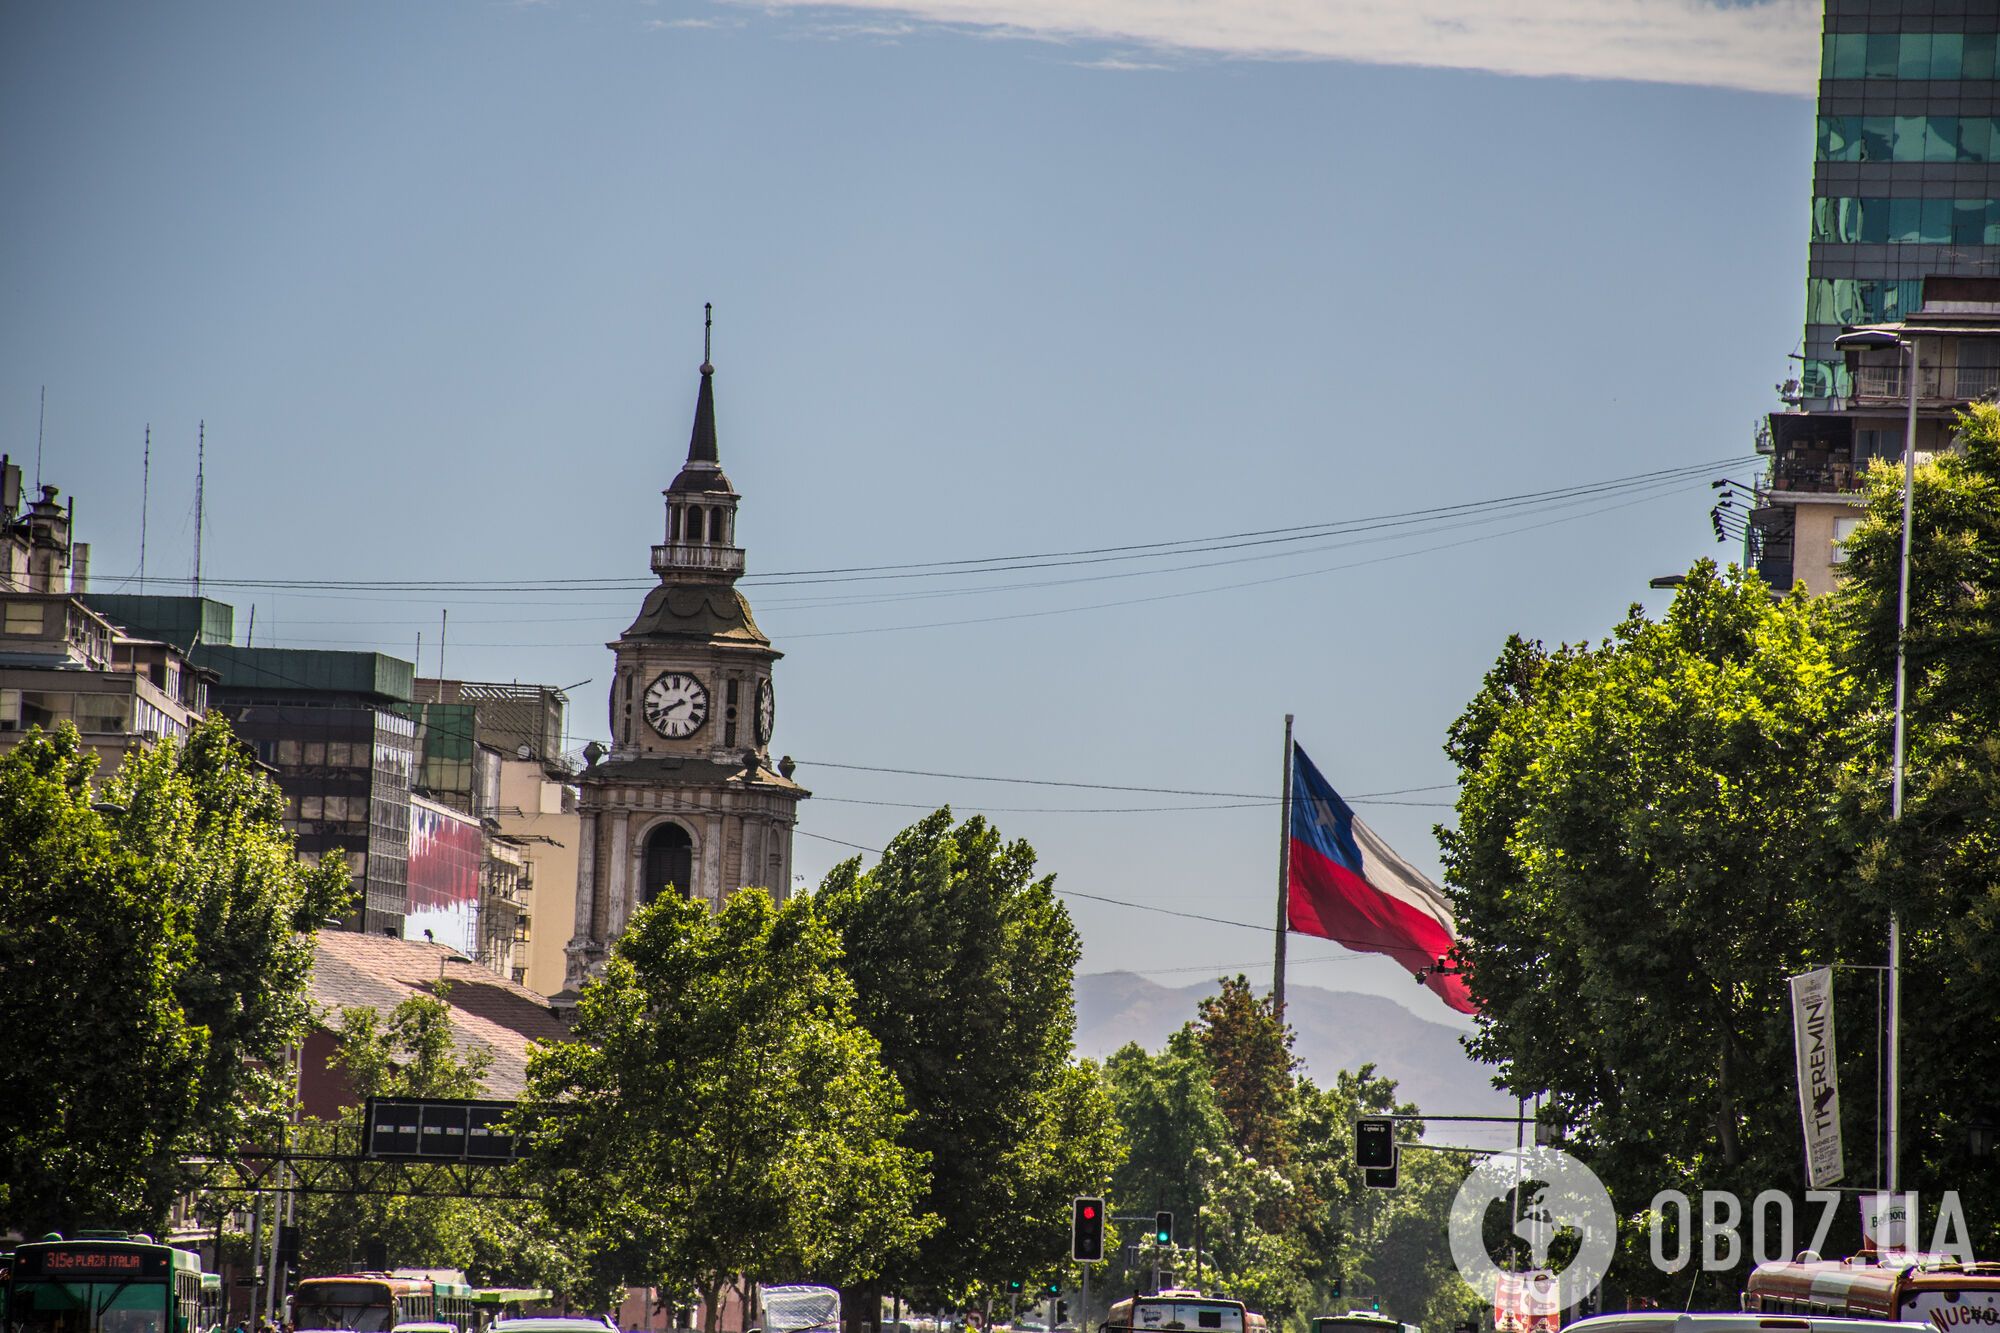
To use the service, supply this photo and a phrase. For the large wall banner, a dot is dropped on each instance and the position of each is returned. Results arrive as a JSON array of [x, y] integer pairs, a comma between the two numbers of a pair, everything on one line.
[[445, 851]]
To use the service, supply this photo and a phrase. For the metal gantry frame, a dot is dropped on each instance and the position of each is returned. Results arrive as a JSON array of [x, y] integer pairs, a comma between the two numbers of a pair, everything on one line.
[[344, 1173]]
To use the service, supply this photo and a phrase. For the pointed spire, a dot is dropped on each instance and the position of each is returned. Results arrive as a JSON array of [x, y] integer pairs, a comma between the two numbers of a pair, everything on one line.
[[701, 444]]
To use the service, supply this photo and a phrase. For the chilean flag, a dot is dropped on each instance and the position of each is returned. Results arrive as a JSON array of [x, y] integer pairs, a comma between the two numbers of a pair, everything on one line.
[[1347, 886]]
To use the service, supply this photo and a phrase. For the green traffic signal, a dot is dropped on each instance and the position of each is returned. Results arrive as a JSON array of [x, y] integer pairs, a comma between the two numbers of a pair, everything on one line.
[[1053, 1289], [1015, 1284]]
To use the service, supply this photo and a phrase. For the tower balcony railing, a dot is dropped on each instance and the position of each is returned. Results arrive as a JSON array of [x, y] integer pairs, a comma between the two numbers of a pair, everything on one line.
[[1935, 384], [1818, 476], [699, 557]]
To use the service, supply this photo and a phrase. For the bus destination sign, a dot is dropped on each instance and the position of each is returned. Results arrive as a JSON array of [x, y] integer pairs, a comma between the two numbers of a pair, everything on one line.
[[87, 1262]]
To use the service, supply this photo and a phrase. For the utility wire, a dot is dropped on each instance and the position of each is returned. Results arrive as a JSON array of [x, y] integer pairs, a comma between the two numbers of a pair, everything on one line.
[[1032, 560], [1257, 797]]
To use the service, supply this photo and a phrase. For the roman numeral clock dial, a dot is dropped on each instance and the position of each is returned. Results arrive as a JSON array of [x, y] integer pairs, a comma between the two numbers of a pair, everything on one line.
[[676, 705]]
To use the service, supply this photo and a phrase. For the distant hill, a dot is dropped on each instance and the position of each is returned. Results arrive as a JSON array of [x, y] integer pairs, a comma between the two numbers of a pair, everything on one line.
[[1335, 1029]]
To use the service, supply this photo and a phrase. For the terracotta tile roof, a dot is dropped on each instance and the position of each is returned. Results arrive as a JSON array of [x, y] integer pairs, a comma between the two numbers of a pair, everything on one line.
[[352, 970]]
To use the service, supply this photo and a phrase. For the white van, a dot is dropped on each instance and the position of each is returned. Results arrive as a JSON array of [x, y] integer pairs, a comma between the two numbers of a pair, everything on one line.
[[1675, 1321]]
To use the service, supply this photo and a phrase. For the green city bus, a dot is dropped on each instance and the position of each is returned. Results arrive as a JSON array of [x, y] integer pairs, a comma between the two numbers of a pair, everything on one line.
[[108, 1282]]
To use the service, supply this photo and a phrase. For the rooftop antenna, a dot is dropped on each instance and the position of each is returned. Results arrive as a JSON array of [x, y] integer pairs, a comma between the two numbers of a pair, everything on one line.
[[444, 623], [250, 636], [145, 490], [200, 477], [41, 419], [707, 325]]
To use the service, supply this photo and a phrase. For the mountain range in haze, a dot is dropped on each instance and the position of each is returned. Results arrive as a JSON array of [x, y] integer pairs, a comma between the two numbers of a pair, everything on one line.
[[1334, 1030]]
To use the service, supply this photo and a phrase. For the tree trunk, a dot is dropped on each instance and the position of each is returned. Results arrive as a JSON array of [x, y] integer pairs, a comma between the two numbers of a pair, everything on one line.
[[1732, 1148], [711, 1306]]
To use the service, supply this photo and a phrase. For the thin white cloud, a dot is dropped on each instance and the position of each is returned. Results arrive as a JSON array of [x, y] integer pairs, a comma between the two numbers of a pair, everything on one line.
[[663, 25], [1769, 46], [1120, 63]]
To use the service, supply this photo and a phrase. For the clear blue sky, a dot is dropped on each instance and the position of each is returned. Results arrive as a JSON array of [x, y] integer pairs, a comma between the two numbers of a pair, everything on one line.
[[433, 276]]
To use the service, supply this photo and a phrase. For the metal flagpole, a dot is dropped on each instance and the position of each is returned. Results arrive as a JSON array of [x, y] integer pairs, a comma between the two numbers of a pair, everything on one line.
[[1284, 877]]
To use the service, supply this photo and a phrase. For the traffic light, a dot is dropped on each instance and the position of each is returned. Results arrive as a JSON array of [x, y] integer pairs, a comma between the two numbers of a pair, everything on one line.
[[1015, 1284], [1333, 1288], [1053, 1289], [1062, 1312], [1163, 1228], [1374, 1141], [1086, 1230], [1379, 1177]]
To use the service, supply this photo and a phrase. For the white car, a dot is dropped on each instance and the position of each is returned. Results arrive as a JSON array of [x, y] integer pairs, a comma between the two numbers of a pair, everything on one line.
[[551, 1324]]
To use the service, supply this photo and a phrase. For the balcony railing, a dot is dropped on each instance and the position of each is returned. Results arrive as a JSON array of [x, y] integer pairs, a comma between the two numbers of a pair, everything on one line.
[[1935, 384], [1815, 476], [699, 557]]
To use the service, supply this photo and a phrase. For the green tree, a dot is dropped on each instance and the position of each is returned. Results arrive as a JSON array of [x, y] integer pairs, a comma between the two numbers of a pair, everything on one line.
[[1643, 852], [721, 1113], [1939, 866], [154, 946], [1279, 1236], [1248, 1050], [1167, 1108], [962, 962]]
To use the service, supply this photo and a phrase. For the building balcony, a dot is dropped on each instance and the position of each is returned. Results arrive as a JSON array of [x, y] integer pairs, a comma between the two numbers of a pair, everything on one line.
[[1935, 384], [698, 557], [1814, 477]]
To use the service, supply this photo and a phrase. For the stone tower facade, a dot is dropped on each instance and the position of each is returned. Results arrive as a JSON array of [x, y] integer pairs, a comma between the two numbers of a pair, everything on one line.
[[686, 800]]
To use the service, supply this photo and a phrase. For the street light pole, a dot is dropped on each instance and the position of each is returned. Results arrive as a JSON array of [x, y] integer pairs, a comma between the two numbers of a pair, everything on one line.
[[1883, 339]]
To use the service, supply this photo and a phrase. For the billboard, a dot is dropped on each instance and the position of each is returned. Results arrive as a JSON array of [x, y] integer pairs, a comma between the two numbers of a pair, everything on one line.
[[445, 851]]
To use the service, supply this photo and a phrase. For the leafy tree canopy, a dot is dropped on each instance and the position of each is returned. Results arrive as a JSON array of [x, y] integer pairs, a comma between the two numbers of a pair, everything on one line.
[[155, 940], [1939, 866], [1642, 856], [962, 962], [722, 1113]]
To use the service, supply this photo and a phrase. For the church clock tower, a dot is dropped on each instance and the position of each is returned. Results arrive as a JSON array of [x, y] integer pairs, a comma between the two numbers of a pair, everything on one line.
[[685, 801]]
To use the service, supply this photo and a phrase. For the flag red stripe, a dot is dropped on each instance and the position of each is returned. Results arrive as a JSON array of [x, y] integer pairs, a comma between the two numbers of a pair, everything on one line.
[[1327, 899]]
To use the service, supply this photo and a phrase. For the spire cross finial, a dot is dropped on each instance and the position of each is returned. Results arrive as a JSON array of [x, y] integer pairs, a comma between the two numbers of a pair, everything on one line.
[[707, 324]]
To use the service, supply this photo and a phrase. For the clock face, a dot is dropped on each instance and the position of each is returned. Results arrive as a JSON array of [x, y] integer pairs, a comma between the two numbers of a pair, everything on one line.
[[767, 711], [676, 705]]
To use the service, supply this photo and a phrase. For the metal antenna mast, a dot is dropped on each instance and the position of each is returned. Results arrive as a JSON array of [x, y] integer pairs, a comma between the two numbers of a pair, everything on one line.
[[145, 491], [200, 478]]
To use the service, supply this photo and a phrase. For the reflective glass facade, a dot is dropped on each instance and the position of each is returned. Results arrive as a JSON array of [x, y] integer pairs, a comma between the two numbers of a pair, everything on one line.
[[345, 772], [1906, 181]]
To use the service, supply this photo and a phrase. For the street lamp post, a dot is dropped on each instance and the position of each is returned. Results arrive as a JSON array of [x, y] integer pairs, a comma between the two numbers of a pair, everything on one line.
[[1882, 340]]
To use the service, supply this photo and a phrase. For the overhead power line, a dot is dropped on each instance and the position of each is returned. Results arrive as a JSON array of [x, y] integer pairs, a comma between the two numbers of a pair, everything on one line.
[[1031, 560], [1097, 786]]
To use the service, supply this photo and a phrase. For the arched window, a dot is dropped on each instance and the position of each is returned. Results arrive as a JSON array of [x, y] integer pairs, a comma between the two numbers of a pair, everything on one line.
[[669, 863], [696, 515], [674, 523]]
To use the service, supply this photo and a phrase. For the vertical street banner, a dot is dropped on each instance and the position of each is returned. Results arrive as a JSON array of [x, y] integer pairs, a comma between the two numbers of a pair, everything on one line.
[[1819, 1091]]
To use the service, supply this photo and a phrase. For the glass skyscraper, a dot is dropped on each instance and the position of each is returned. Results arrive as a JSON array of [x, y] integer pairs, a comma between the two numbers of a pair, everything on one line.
[[1906, 177]]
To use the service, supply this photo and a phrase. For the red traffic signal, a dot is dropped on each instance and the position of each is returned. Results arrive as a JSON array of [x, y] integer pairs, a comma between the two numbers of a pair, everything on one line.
[[1086, 1230]]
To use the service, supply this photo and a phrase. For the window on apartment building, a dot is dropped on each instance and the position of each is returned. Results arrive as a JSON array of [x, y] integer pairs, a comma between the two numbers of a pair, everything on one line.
[[24, 618], [1843, 528], [101, 713]]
